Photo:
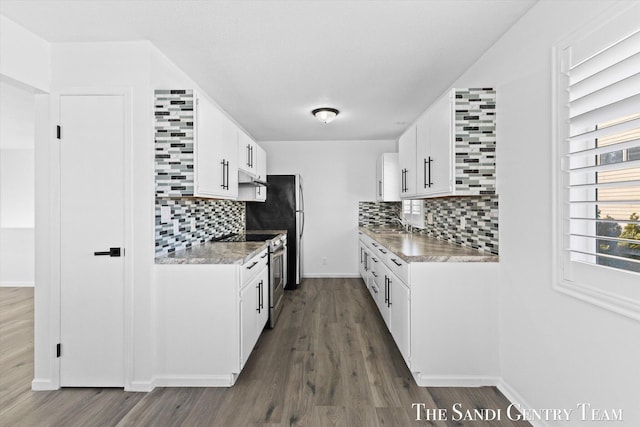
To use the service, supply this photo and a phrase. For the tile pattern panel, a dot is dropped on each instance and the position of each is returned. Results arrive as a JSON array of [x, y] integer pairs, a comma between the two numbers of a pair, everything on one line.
[[213, 218], [480, 213], [378, 214], [174, 132], [475, 148]]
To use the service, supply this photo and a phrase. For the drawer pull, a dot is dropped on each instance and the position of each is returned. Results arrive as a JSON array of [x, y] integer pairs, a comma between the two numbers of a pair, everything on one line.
[[266, 254], [382, 250], [399, 264], [252, 265]]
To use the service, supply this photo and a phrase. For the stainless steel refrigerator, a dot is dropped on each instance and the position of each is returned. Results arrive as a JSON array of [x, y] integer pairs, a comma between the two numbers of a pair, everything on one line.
[[283, 210]]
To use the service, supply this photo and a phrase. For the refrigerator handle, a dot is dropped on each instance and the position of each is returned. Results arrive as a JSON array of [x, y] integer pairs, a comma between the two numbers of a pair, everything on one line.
[[301, 207]]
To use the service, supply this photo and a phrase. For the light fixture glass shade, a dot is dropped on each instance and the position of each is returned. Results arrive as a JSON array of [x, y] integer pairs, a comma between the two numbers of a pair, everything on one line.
[[325, 115]]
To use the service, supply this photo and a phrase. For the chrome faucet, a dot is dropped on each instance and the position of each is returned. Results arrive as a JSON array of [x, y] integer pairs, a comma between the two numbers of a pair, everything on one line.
[[405, 224]]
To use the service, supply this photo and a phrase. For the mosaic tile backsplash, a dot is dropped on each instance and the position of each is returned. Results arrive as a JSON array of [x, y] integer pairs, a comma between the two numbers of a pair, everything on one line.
[[475, 148], [480, 213], [378, 214], [174, 158], [213, 218]]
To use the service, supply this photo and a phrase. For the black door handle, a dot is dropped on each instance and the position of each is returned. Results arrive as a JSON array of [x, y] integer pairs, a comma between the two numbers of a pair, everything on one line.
[[112, 252]]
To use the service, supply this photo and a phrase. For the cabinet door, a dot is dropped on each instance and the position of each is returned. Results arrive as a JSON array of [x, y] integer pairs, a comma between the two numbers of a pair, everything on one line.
[[361, 254], [407, 162], [263, 301], [379, 178], [247, 154], [441, 146], [209, 162], [248, 319], [424, 158], [215, 153], [383, 298], [434, 149], [261, 192], [229, 143], [387, 178], [399, 314]]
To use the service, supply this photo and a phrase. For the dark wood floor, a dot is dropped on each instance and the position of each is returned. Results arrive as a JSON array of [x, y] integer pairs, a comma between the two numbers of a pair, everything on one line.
[[329, 362]]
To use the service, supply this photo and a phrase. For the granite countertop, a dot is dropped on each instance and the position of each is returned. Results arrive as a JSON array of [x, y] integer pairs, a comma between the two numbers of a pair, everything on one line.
[[415, 247], [219, 252]]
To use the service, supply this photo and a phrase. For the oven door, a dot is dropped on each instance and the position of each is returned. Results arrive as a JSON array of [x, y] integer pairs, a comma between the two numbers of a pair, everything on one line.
[[277, 282]]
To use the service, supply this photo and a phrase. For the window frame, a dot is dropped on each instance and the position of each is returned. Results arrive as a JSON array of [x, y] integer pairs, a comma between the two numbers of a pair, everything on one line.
[[416, 217], [610, 288]]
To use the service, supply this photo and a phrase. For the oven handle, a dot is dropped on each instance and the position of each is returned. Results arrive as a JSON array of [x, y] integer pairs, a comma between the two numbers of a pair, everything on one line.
[[278, 252]]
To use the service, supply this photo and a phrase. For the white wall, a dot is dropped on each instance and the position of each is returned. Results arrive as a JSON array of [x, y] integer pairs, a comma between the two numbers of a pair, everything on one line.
[[16, 185], [24, 57], [337, 175], [99, 66], [556, 351]]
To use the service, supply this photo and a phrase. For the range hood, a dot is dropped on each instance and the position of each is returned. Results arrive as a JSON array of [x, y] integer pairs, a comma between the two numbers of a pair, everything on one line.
[[248, 180]]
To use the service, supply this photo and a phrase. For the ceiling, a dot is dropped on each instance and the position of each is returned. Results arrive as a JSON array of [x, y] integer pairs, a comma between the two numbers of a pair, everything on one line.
[[269, 63]]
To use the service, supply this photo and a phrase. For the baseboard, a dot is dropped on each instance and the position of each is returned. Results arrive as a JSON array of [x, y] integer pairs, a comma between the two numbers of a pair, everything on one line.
[[17, 284], [514, 397], [141, 386], [330, 276], [43, 385], [454, 381], [226, 380]]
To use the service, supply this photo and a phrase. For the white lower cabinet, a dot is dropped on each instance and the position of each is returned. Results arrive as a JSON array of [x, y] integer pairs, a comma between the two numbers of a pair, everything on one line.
[[400, 314], [443, 316], [210, 318], [254, 312]]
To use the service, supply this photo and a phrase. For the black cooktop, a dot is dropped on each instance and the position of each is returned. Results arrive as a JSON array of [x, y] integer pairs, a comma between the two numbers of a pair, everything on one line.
[[244, 238]]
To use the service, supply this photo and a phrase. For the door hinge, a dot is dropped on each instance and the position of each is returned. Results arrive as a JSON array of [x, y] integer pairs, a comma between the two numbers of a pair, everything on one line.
[[58, 131], [58, 349]]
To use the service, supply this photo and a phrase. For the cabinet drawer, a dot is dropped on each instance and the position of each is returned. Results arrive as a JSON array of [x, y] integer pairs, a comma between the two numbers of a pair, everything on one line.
[[365, 239], [255, 265], [398, 266]]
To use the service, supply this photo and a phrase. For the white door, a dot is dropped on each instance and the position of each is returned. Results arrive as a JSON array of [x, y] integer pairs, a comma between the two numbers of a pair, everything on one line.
[[92, 220]]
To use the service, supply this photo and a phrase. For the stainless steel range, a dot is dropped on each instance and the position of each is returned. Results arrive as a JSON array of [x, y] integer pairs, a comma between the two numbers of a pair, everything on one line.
[[277, 266]]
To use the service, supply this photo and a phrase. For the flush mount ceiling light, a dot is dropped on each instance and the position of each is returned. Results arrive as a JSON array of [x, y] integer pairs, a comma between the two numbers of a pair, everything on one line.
[[325, 114]]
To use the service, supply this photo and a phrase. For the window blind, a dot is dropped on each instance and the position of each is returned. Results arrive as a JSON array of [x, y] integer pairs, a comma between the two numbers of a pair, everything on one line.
[[602, 155]]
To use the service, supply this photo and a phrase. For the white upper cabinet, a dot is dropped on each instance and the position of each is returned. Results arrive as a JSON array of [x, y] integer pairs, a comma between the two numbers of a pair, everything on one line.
[[249, 192], [387, 175], [407, 162], [454, 149], [434, 149], [216, 153], [247, 154], [261, 192]]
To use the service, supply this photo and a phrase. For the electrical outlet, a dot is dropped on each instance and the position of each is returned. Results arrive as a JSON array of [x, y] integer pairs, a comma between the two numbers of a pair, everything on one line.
[[165, 214], [430, 218], [324, 261], [193, 224], [176, 227], [463, 223]]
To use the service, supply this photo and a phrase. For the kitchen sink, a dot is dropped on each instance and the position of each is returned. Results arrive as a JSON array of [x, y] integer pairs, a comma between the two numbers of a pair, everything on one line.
[[387, 231]]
